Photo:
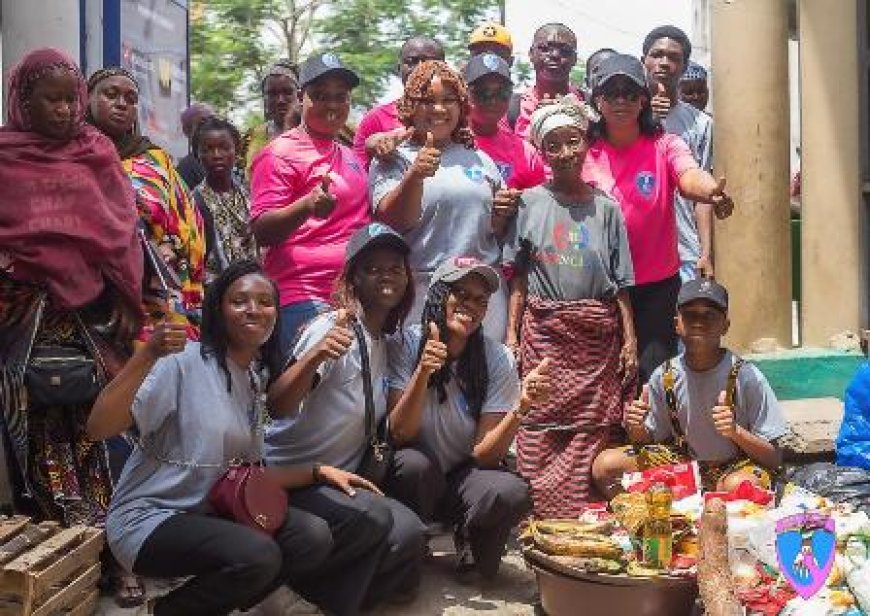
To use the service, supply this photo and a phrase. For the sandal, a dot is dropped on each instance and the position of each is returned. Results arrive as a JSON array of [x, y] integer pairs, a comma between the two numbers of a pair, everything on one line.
[[129, 590]]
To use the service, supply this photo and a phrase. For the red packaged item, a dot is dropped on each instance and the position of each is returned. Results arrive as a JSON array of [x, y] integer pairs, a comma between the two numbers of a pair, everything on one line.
[[745, 491], [684, 479]]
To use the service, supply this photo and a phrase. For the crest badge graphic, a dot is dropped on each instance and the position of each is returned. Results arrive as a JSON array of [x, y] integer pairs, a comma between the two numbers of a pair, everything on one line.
[[805, 549], [646, 183]]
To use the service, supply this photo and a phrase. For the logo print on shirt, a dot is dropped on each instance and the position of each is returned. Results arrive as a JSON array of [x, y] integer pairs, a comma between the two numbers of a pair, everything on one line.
[[475, 174], [570, 236], [646, 183], [506, 170], [354, 165]]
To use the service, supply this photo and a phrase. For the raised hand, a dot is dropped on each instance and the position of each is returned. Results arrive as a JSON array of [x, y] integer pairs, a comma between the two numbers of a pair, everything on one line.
[[636, 412], [505, 202], [723, 205], [434, 353], [536, 385], [660, 102], [428, 159], [723, 417], [166, 338], [384, 145], [322, 202], [338, 339]]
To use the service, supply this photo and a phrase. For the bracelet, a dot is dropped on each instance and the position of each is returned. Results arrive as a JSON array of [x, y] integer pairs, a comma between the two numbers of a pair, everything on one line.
[[315, 472]]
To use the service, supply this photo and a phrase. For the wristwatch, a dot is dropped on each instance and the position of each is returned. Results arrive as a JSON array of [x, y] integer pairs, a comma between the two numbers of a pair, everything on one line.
[[315, 472]]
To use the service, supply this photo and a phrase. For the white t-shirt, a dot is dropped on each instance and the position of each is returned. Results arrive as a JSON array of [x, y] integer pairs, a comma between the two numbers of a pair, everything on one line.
[[330, 424], [448, 429]]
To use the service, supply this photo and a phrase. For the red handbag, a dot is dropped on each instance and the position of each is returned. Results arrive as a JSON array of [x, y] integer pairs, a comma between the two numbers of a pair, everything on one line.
[[246, 494]]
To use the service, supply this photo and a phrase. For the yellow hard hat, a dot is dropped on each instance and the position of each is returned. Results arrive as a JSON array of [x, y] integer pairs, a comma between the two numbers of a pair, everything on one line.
[[491, 32]]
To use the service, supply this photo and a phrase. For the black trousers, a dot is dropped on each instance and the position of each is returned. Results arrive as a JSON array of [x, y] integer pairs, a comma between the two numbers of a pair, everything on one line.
[[486, 503], [654, 306], [233, 566], [377, 549]]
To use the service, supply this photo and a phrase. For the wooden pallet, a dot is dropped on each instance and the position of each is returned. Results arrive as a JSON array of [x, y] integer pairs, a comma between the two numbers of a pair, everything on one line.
[[55, 577]]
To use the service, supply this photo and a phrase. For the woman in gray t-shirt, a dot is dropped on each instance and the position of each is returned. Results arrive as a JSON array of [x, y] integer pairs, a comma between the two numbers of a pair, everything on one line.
[[569, 303], [438, 189], [194, 408], [455, 404]]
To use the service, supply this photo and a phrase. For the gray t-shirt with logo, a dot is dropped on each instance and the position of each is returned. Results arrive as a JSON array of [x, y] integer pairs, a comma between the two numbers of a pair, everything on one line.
[[696, 129], [448, 429], [330, 424], [456, 217], [183, 416], [571, 251], [756, 407]]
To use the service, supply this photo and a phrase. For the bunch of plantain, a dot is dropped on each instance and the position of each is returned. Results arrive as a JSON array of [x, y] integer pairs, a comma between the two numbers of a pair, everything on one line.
[[570, 538]]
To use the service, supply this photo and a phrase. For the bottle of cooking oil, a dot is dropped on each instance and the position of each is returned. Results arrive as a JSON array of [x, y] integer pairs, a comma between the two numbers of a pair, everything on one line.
[[657, 531]]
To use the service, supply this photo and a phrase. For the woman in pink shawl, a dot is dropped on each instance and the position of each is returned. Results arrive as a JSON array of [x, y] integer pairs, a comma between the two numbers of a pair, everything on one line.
[[68, 245]]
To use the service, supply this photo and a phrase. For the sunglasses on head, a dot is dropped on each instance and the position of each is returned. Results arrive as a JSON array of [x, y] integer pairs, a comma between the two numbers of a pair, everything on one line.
[[488, 95], [626, 93]]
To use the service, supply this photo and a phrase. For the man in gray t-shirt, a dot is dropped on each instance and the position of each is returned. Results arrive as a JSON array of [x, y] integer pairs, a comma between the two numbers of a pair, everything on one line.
[[570, 251], [666, 52]]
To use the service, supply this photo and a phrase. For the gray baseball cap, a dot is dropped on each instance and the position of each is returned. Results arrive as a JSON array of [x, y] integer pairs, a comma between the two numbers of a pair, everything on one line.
[[457, 268], [706, 289]]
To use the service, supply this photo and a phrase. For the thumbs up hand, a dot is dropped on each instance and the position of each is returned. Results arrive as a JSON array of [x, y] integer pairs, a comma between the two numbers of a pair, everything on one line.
[[636, 412], [723, 418], [383, 145], [660, 102], [338, 339], [428, 159], [536, 386], [434, 353], [723, 205], [321, 201]]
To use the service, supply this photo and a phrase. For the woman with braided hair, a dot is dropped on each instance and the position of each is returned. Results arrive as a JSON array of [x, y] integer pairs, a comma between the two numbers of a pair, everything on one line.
[[455, 404], [569, 302], [438, 189]]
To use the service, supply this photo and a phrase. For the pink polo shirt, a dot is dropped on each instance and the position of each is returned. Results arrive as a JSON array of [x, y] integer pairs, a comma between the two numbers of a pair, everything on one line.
[[381, 119], [519, 163], [643, 178], [529, 102], [306, 264]]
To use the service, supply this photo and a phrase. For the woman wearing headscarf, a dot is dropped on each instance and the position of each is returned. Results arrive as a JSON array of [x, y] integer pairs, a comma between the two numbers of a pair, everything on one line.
[[70, 280], [170, 220], [569, 303], [281, 108], [632, 159]]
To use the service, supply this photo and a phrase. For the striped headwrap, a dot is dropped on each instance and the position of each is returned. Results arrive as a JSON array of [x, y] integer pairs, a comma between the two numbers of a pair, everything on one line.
[[567, 111]]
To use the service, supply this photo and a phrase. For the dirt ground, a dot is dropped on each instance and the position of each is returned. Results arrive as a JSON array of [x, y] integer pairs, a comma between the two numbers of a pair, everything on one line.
[[514, 593]]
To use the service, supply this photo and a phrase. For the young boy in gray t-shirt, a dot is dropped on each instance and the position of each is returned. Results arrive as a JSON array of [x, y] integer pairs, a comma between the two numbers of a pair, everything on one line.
[[707, 404]]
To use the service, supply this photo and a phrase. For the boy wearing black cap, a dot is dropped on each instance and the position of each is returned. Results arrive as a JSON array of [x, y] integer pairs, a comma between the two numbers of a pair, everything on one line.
[[706, 404]]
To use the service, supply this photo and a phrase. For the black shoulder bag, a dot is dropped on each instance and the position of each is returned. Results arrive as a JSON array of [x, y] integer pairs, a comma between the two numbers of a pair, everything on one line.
[[378, 454]]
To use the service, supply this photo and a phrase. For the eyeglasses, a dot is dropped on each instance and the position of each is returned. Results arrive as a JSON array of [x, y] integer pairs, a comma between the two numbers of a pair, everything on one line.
[[325, 97], [629, 94], [447, 101], [491, 95]]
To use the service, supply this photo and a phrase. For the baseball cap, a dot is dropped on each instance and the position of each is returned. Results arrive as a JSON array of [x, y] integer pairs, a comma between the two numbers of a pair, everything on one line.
[[320, 64], [486, 64], [375, 234], [703, 288], [620, 64], [457, 268], [491, 32]]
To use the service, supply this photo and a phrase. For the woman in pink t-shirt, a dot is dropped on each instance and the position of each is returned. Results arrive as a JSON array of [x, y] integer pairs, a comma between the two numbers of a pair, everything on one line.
[[309, 193], [641, 166]]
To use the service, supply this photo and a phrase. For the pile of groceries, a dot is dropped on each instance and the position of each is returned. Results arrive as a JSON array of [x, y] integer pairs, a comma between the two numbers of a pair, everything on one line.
[[652, 531]]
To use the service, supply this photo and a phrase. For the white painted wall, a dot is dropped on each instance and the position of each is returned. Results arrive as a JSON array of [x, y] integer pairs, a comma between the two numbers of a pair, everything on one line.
[[29, 24]]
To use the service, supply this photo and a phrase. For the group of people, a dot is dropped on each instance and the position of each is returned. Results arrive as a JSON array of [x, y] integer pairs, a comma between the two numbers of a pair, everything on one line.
[[312, 302]]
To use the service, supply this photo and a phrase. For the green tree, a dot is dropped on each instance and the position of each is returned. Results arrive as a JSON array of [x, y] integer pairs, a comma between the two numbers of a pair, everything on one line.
[[233, 40], [367, 34]]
